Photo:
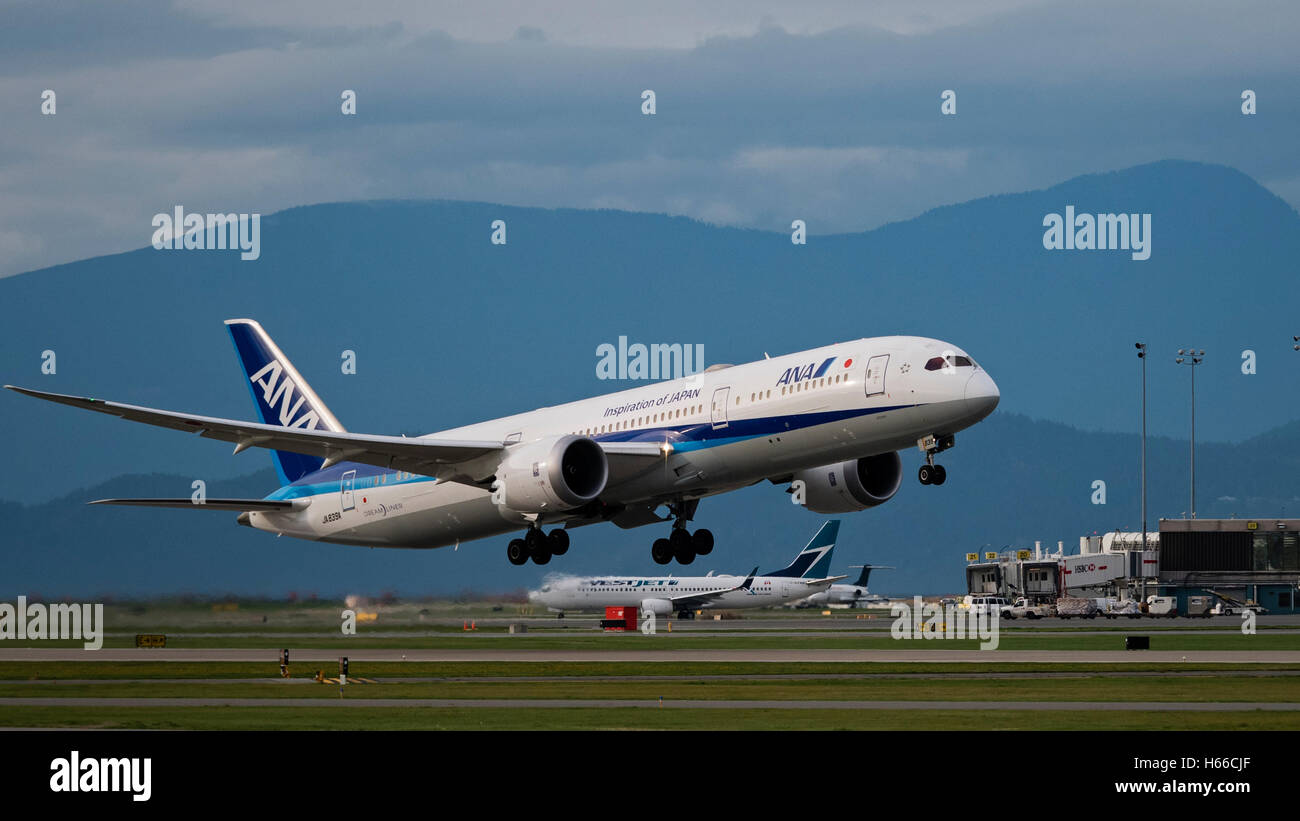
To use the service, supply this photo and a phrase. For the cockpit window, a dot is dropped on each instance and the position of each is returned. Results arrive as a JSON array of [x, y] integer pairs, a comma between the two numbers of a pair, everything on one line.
[[937, 362]]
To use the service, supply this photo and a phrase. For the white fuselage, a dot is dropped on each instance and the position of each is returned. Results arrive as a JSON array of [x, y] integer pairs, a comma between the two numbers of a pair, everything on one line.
[[728, 428], [595, 593], [844, 595]]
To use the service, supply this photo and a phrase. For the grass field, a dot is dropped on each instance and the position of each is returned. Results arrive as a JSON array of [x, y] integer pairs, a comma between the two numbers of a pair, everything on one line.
[[434, 626], [1208, 688], [591, 640], [649, 718], [78, 670]]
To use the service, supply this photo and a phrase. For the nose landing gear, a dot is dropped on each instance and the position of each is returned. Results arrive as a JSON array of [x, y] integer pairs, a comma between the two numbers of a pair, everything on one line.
[[930, 473]]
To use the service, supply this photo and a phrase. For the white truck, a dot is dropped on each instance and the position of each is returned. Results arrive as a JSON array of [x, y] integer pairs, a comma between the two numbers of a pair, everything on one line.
[[992, 605], [1022, 608]]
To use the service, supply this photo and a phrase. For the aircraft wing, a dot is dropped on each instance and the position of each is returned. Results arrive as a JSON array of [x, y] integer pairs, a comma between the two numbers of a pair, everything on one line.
[[692, 599], [827, 580], [428, 457], [240, 505], [440, 458]]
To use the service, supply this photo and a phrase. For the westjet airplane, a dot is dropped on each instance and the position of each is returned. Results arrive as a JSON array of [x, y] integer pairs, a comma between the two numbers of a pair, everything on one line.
[[663, 595], [849, 595], [828, 422]]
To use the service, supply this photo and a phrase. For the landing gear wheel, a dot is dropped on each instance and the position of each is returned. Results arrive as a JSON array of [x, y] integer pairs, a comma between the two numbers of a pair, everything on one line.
[[681, 543], [661, 551], [930, 473], [534, 539], [517, 552], [557, 541], [702, 542]]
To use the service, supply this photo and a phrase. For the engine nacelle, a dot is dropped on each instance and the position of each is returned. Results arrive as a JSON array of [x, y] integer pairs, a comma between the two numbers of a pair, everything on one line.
[[851, 486], [660, 607], [560, 473]]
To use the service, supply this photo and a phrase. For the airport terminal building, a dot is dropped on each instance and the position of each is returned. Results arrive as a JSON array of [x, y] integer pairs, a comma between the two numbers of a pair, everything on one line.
[[1234, 560], [1253, 559]]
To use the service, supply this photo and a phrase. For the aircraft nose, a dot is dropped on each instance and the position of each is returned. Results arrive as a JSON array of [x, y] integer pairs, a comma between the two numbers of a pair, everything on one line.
[[982, 394]]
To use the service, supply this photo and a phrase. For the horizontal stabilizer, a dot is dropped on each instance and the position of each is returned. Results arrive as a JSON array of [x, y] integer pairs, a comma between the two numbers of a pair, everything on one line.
[[263, 505]]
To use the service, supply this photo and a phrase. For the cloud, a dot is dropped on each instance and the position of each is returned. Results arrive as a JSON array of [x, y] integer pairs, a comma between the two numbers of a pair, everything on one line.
[[828, 113], [670, 24]]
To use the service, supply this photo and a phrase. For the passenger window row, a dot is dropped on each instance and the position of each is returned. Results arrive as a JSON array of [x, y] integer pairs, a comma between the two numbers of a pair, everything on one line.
[[640, 421]]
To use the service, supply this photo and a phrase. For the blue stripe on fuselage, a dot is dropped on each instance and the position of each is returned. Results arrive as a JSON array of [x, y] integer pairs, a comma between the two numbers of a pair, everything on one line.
[[695, 436]]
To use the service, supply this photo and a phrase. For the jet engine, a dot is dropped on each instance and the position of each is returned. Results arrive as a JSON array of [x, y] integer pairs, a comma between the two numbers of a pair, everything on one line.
[[660, 607], [847, 487], [559, 473]]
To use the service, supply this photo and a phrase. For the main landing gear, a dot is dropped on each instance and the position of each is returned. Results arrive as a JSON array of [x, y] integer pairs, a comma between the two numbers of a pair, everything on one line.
[[681, 544], [930, 473], [538, 546]]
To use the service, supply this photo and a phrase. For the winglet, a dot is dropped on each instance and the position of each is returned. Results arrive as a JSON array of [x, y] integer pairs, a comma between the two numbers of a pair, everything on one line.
[[749, 580]]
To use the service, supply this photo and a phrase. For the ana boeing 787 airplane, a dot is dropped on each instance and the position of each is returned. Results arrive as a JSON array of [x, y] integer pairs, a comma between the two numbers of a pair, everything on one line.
[[828, 422]]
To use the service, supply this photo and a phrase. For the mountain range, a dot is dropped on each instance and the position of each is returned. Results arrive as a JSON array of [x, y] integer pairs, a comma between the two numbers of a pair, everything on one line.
[[448, 328]]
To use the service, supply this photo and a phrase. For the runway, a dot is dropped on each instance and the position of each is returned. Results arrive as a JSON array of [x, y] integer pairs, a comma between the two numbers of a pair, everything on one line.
[[361, 654], [722, 677], [701, 704]]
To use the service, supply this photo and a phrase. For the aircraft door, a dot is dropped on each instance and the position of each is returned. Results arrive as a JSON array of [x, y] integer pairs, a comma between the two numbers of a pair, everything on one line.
[[875, 378], [346, 486], [719, 408]]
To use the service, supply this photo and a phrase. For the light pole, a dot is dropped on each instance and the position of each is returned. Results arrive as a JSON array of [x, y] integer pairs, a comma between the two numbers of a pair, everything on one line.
[[1142, 354], [1191, 356]]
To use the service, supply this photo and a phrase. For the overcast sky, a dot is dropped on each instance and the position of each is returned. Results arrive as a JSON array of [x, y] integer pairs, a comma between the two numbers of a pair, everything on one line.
[[766, 112]]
